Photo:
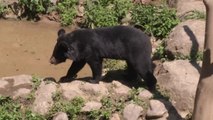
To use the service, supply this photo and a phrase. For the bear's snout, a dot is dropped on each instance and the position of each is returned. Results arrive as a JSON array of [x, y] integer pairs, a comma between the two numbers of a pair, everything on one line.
[[53, 60]]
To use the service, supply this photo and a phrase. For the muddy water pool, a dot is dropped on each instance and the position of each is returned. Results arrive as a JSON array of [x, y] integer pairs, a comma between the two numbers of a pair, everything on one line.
[[26, 47]]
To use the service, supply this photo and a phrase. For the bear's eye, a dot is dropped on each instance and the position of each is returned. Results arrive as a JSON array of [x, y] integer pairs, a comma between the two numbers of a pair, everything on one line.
[[71, 49]]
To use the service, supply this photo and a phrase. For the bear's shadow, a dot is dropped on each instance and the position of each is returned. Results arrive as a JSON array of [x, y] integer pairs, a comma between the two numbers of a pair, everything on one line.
[[120, 76]]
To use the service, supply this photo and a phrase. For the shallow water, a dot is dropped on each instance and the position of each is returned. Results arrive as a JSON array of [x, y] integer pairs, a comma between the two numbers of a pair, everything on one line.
[[26, 47]]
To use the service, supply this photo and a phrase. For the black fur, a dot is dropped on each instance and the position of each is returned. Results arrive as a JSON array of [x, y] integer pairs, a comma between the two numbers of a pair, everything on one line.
[[92, 45]]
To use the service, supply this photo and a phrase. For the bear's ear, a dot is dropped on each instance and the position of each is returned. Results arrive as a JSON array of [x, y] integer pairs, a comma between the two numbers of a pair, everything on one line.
[[61, 32]]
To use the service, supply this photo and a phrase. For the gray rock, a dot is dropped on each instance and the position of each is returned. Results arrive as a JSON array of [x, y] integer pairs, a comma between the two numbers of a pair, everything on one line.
[[43, 98], [8, 2], [145, 95], [61, 116], [94, 91], [184, 6], [186, 38], [120, 89], [22, 92], [89, 106], [115, 116], [3, 84], [132, 112], [180, 79], [16, 86], [156, 109], [71, 90]]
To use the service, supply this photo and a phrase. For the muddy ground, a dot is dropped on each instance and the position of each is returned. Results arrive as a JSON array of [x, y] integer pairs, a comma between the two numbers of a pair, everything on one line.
[[26, 47]]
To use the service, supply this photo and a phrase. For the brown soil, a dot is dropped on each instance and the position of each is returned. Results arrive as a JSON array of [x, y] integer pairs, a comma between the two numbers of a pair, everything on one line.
[[26, 48]]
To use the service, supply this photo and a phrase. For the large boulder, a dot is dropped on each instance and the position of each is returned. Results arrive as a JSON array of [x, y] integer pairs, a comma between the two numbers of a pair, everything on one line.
[[132, 112], [187, 38], [184, 6], [43, 98], [16, 86], [180, 79]]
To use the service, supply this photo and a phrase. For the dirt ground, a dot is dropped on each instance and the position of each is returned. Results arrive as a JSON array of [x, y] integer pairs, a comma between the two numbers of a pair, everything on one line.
[[26, 47]]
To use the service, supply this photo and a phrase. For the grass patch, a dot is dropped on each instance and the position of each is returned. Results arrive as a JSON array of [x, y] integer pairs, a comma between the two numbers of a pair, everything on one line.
[[12, 110]]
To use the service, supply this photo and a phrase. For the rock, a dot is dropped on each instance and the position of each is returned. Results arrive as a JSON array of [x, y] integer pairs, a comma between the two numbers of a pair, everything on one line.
[[3, 84], [132, 112], [120, 89], [94, 91], [21, 93], [54, 2], [180, 79], [184, 6], [43, 98], [156, 109], [172, 3], [89, 106], [71, 90], [187, 38], [145, 95], [61, 116], [8, 2], [115, 116], [16, 86]]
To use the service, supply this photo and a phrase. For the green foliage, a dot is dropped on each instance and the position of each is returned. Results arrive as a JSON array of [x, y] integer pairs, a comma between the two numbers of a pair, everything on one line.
[[194, 56], [11, 110], [72, 108], [133, 97], [162, 94], [160, 52], [36, 83], [155, 20], [35, 7], [2, 10], [111, 64], [195, 14], [102, 13], [67, 11], [109, 106]]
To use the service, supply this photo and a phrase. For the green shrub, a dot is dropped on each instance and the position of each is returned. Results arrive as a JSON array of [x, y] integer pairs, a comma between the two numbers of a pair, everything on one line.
[[160, 52], [34, 7], [67, 11], [11, 110], [2, 10], [72, 108], [155, 20], [102, 13], [111, 64]]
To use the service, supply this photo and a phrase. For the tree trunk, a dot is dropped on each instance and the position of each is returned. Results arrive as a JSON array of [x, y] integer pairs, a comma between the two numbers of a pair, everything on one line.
[[203, 108]]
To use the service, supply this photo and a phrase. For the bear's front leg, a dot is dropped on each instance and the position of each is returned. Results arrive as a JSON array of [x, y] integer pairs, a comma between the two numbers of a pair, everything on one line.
[[96, 67], [73, 70]]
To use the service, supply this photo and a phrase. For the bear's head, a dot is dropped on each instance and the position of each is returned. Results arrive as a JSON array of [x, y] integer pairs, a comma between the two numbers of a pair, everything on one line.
[[64, 49]]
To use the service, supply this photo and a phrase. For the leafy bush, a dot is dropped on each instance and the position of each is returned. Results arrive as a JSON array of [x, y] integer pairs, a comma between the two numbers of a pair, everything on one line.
[[72, 108], [34, 7], [2, 10], [160, 52], [111, 64], [102, 13], [11, 110], [67, 11], [155, 20]]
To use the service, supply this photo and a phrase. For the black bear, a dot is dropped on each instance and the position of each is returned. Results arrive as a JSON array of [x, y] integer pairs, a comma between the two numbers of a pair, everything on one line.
[[92, 45]]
